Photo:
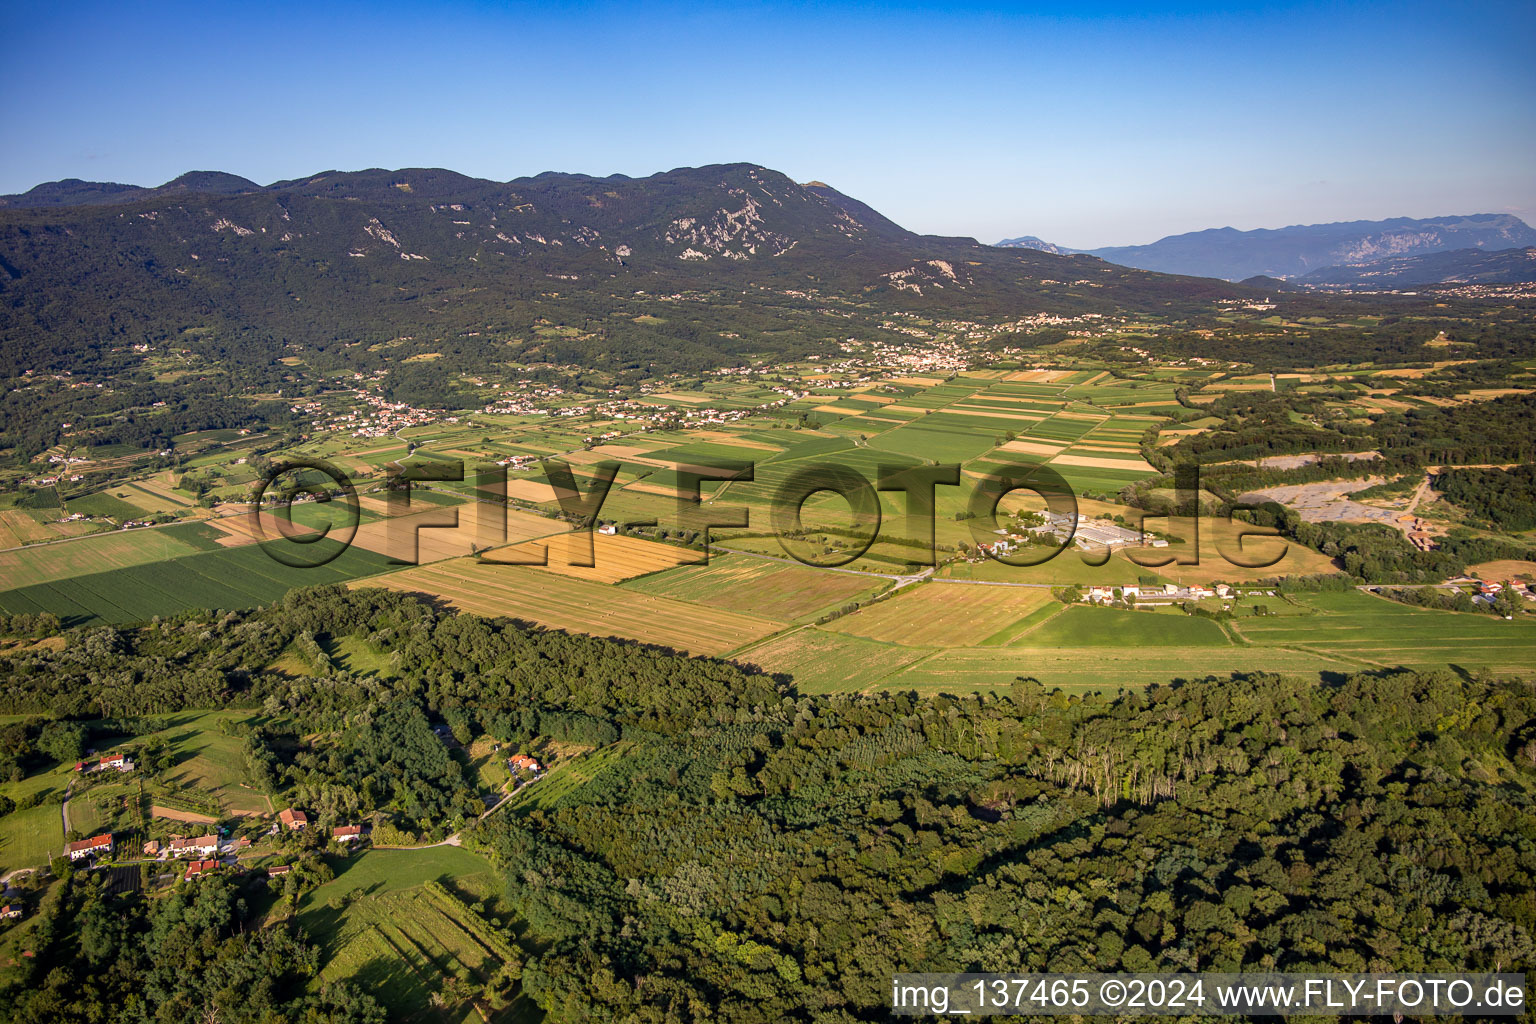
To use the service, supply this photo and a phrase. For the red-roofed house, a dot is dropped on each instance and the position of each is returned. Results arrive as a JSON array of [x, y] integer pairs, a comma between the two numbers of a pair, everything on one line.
[[10, 910], [293, 819], [198, 867], [523, 761], [347, 833], [279, 869], [94, 846]]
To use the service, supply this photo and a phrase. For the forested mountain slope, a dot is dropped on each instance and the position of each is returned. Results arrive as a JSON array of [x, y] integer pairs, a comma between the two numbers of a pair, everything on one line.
[[429, 254]]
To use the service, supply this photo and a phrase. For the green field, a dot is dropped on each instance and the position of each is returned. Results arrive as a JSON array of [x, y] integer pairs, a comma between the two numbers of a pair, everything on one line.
[[239, 577], [422, 957], [45, 563], [28, 838], [787, 592]]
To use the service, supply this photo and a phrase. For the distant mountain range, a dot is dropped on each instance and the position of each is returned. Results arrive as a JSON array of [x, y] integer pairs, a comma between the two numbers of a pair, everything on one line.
[[429, 259], [1293, 252], [1459, 266]]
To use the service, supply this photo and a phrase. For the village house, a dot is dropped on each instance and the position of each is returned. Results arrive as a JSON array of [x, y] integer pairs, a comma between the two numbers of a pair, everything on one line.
[[10, 910], [522, 762], [275, 870], [347, 833], [118, 761], [295, 820], [94, 846], [197, 846], [152, 848], [199, 867]]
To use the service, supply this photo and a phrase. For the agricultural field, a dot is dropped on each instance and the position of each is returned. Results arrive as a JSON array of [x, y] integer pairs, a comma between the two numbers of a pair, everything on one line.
[[407, 931], [210, 761], [788, 592], [946, 615], [41, 564], [29, 837], [614, 558], [969, 621], [239, 577], [562, 602]]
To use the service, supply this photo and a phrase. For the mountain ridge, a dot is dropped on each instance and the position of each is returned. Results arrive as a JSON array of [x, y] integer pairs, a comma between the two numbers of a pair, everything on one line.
[[1299, 249], [428, 253], [1455, 266]]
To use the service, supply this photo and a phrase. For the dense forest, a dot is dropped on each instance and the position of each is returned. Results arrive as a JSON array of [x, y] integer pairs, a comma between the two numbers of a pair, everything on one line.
[[757, 854]]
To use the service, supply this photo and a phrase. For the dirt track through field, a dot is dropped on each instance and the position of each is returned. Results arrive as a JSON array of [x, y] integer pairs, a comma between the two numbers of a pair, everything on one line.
[[157, 811]]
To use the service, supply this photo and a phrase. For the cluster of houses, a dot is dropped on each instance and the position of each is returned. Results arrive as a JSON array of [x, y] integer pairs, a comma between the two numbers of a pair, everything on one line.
[[205, 850], [119, 761], [1165, 594]]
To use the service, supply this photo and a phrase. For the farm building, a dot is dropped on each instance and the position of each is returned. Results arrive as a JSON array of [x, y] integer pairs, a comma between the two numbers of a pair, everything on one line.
[[152, 848], [293, 819], [279, 869], [197, 846], [94, 846], [118, 761]]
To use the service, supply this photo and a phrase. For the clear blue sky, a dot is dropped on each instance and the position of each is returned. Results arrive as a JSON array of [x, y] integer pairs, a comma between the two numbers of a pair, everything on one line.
[[1085, 125]]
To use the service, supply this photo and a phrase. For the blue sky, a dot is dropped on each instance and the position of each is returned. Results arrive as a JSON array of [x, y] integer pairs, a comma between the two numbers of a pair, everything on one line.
[[1085, 125]]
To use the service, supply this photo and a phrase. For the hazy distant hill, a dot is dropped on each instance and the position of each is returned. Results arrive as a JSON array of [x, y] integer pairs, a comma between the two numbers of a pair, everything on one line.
[[1031, 242], [1298, 250], [1459, 266], [429, 254]]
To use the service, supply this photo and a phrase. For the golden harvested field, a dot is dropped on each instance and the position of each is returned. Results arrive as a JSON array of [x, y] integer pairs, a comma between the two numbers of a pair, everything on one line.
[[241, 529], [737, 441], [158, 495], [614, 557], [478, 528], [158, 811], [18, 528], [1034, 447], [645, 488], [944, 614], [1095, 462], [1218, 535], [531, 490], [579, 606], [1504, 569], [621, 451]]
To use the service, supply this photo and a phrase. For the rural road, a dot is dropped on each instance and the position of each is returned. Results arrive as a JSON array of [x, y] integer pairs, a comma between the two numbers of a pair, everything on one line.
[[457, 839]]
